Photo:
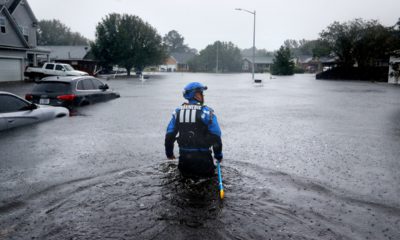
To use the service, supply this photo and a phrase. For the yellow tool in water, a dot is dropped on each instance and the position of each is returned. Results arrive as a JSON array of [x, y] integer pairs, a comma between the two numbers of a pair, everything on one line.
[[221, 187]]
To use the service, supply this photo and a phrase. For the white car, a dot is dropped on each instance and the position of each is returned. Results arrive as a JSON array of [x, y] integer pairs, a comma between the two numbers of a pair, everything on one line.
[[53, 69], [15, 112]]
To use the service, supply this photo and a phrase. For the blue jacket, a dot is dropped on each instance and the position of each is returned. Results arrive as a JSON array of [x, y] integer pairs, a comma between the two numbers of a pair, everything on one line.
[[205, 119]]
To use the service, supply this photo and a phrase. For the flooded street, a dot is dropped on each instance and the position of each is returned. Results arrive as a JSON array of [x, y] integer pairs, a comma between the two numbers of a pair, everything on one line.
[[304, 159]]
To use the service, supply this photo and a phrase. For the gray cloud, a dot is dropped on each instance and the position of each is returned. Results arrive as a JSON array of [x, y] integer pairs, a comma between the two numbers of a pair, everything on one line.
[[203, 22]]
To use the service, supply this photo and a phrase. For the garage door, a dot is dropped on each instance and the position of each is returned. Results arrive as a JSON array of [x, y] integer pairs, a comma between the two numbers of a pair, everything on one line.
[[10, 69]]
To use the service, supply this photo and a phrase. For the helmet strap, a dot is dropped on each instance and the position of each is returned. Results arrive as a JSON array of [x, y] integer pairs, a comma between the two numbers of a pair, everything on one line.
[[199, 97]]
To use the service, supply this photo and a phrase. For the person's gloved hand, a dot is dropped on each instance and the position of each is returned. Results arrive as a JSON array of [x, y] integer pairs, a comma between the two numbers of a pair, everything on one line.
[[219, 157]]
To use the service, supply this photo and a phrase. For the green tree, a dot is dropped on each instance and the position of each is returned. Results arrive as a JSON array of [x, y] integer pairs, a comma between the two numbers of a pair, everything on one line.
[[229, 58], [175, 42], [320, 48], [54, 32], [127, 41], [360, 41], [315, 48], [282, 63], [248, 52]]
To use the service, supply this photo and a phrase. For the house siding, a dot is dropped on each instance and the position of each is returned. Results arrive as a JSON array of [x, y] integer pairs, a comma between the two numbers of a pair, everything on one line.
[[13, 53], [10, 38], [23, 19]]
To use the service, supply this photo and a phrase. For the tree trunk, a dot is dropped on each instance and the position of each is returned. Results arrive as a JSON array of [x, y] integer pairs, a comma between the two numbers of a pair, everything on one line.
[[128, 71]]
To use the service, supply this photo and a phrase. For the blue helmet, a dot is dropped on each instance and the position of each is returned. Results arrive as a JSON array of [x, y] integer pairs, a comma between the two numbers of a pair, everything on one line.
[[190, 90]]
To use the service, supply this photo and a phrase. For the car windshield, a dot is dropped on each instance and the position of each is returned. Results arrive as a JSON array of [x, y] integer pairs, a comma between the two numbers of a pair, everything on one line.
[[68, 67], [52, 87]]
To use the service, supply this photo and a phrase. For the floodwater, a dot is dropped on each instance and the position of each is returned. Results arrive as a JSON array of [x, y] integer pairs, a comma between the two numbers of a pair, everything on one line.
[[304, 159]]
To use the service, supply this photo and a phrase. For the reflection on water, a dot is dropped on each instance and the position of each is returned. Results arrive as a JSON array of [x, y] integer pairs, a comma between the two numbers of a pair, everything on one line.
[[155, 202]]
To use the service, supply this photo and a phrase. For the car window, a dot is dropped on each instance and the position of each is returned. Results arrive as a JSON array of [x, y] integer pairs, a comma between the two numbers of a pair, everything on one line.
[[59, 67], [97, 83], [80, 85], [87, 84], [11, 104], [52, 87], [50, 66], [68, 67]]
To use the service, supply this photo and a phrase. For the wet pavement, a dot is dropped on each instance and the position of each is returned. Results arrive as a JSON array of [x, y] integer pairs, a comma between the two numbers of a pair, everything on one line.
[[304, 159]]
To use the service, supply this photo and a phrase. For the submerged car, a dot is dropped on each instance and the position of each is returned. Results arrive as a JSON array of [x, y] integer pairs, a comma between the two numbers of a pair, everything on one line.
[[15, 112], [70, 91]]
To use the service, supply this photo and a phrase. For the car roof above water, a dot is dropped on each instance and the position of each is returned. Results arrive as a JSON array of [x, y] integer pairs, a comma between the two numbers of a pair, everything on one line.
[[8, 93], [64, 79]]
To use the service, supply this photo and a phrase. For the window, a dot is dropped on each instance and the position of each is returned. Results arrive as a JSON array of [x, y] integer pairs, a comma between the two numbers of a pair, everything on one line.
[[68, 67], [3, 25], [87, 84], [25, 32], [97, 83], [50, 66], [59, 68], [52, 87], [80, 86], [11, 104]]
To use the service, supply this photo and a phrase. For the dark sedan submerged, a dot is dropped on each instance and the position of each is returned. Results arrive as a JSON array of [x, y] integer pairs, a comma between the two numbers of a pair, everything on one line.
[[70, 91]]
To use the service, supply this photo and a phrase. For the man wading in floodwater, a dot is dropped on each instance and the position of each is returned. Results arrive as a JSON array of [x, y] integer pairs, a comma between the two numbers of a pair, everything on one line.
[[198, 130]]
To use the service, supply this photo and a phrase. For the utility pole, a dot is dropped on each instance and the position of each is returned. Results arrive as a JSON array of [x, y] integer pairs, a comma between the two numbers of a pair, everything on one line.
[[254, 38], [216, 69]]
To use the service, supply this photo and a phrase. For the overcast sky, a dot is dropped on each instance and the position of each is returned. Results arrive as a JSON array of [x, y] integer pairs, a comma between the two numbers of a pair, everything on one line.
[[201, 22]]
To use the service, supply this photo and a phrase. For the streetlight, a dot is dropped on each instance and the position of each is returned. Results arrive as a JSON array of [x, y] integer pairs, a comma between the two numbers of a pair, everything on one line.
[[254, 36]]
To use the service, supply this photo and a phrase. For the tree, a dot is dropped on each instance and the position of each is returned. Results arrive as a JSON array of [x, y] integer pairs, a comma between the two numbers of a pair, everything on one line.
[[127, 41], [229, 58], [360, 41], [315, 48], [174, 42], [53, 32], [320, 48], [258, 53], [282, 63]]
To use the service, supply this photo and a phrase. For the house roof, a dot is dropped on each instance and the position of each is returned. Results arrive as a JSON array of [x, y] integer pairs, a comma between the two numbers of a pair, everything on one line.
[[15, 26], [260, 60], [13, 4], [327, 59], [182, 58], [304, 58], [67, 52]]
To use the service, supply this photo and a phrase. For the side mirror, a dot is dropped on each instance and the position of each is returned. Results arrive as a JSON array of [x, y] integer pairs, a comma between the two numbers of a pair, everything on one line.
[[63, 69], [104, 87], [29, 107], [32, 106]]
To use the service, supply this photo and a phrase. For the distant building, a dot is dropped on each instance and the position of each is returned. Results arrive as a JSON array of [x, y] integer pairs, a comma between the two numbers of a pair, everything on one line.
[[78, 57], [326, 63], [170, 65], [307, 63], [67, 52], [18, 43], [261, 64], [177, 62]]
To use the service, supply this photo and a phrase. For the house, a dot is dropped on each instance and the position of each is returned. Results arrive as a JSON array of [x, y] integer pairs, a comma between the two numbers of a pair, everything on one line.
[[326, 63], [170, 65], [307, 63], [18, 45], [76, 56], [261, 64], [177, 62]]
